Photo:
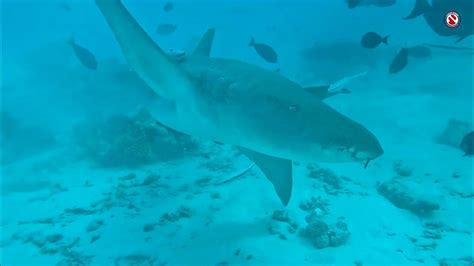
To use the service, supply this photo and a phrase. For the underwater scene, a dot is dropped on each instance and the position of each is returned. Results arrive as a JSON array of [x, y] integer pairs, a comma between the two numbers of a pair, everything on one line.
[[237, 132]]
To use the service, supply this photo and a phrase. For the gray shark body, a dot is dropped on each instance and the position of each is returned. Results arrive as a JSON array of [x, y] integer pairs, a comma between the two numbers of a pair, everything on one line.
[[269, 118], [434, 15]]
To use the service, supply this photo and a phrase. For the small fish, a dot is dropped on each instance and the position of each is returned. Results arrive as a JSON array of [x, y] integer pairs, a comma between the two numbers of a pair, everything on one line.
[[372, 40], [86, 58], [419, 51], [272, 28], [265, 51], [65, 6], [353, 3], [166, 29], [399, 62], [168, 6], [467, 144]]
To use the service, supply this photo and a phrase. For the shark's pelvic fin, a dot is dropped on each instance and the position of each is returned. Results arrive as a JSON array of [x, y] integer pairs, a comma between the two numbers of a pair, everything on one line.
[[461, 38], [421, 6], [205, 44], [143, 55], [278, 171]]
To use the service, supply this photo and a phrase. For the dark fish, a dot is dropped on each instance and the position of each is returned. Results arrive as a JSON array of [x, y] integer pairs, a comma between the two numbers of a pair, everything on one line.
[[166, 29], [399, 62], [272, 28], [65, 6], [467, 144], [86, 58], [377, 3], [419, 51], [353, 3], [168, 6], [435, 13], [265, 51], [372, 40]]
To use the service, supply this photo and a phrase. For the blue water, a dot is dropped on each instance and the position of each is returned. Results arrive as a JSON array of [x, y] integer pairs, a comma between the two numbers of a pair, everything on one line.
[[89, 177]]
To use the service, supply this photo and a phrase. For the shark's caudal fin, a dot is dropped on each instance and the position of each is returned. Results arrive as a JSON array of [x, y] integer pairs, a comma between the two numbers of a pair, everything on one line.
[[205, 44], [421, 6], [143, 55], [278, 171]]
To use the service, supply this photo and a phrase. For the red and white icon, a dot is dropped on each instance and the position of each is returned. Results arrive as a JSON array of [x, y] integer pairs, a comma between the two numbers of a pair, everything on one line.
[[452, 19]]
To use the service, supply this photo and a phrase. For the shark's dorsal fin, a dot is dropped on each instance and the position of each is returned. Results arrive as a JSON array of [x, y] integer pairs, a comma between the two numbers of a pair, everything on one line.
[[277, 170], [205, 44]]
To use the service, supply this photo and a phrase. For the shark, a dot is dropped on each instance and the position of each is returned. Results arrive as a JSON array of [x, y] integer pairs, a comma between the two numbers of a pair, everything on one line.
[[269, 118], [435, 13]]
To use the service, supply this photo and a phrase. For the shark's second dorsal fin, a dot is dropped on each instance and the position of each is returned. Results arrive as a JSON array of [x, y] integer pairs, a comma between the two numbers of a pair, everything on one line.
[[205, 44], [277, 170]]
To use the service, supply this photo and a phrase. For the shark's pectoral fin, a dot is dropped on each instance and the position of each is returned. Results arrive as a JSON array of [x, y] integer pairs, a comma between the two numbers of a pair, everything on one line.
[[277, 170], [205, 44], [319, 91], [323, 92]]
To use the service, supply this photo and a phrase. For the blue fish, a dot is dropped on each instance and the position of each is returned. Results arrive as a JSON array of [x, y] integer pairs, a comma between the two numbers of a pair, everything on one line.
[[84, 56]]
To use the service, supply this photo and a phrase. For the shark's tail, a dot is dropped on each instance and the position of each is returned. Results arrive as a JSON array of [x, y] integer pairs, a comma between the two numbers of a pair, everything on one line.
[[421, 6], [252, 42], [385, 39]]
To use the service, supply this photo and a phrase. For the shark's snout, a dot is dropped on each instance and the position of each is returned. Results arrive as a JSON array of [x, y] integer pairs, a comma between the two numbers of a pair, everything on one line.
[[369, 148]]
